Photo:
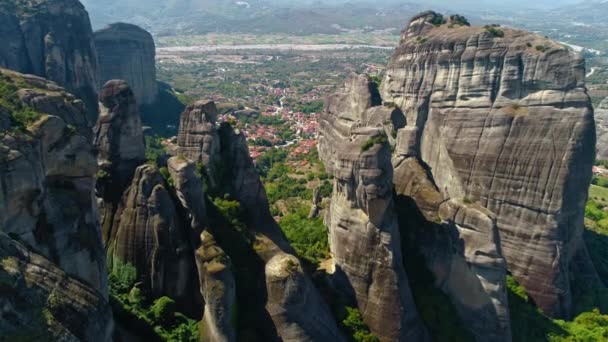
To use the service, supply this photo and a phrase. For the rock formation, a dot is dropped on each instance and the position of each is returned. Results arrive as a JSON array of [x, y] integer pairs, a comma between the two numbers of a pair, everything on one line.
[[363, 231], [127, 52], [601, 126], [41, 302], [54, 40], [229, 169], [502, 118], [293, 303], [198, 138], [143, 224], [218, 290], [49, 224]]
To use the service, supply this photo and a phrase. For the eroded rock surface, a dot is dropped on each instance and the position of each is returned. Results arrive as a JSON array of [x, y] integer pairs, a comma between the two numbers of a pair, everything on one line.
[[601, 126], [363, 232], [54, 40], [504, 120], [127, 52], [198, 138], [218, 289], [293, 303], [49, 224]]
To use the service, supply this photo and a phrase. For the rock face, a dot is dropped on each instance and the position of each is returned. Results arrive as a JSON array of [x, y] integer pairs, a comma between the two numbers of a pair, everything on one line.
[[218, 290], [293, 303], [503, 119], [40, 301], [198, 139], [363, 232], [118, 133], [127, 52], [47, 173], [54, 40], [143, 223], [601, 126], [229, 169], [475, 275]]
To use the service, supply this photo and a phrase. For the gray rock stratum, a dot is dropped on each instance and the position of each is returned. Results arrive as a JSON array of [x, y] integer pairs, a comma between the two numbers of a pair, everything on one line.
[[363, 231], [52, 267], [601, 126], [54, 40], [127, 52], [503, 119]]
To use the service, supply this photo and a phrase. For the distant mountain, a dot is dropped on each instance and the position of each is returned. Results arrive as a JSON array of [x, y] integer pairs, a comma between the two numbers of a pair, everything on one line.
[[259, 16]]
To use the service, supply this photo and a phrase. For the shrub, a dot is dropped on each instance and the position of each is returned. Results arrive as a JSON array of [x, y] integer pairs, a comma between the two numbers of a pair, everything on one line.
[[164, 172], [438, 20], [541, 48], [457, 19], [163, 310], [353, 322], [307, 236], [494, 31], [379, 139]]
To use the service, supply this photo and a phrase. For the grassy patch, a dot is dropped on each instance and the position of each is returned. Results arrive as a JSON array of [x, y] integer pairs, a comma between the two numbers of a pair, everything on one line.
[[21, 115]]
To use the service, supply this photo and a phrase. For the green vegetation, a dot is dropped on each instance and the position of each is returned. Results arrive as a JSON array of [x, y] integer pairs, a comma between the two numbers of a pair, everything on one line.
[[379, 139], [590, 300], [457, 19], [164, 172], [155, 320], [494, 30], [309, 107], [528, 323], [353, 323], [231, 211], [307, 236], [154, 149], [438, 20], [541, 48], [21, 115]]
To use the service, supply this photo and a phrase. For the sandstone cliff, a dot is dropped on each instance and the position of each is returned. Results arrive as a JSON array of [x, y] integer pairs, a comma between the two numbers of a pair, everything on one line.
[[127, 52], [144, 226], [363, 231], [503, 120], [51, 248], [51, 39], [269, 292]]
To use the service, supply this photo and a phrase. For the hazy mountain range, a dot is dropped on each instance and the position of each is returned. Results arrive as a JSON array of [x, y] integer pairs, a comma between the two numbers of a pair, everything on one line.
[[168, 17]]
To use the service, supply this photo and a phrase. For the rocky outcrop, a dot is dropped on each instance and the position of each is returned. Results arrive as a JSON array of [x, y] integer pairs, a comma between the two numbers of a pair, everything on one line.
[[49, 225], [118, 133], [475, 276], [127, 52], [54, 40], [218, 290], [148, 234], [503, 120], [601, 126], [40, 301], [293, 303], [145, 228], [188, 187], [223, 156], [198, 138], [363, 231]]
